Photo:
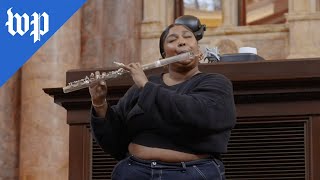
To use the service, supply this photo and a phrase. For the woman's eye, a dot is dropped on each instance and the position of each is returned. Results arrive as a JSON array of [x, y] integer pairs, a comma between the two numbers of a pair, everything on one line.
[[171, 40]]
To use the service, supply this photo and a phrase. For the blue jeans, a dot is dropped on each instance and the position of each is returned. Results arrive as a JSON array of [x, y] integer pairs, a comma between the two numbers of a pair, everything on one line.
[[132, 168]]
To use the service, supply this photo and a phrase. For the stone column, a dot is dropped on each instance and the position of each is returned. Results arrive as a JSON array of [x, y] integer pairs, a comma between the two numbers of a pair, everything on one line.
[[44, 136], [153, 23], [230, 12], [121, 30], [9, 128], [110, 32], [304, 23], [92, 34]]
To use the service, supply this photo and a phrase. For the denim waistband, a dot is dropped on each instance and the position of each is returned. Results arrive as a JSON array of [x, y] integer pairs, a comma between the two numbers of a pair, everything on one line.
[[161, 164]]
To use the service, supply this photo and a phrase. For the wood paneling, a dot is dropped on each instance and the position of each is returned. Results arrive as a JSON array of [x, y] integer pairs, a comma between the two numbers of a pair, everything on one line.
[[314, 147], [79, 153]]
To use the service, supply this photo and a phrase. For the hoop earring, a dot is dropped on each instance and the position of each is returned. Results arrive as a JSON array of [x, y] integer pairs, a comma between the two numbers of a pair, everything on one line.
[[201, 56]]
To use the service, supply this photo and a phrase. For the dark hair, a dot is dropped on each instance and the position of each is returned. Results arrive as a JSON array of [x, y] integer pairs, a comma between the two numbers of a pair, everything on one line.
[[190, 22]]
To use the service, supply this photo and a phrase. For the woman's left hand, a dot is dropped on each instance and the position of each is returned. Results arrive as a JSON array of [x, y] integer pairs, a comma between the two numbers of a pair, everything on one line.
[[137, 74]]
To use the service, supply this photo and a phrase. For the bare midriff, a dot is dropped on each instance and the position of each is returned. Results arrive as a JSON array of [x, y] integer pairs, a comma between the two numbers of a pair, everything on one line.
[[165, 155]]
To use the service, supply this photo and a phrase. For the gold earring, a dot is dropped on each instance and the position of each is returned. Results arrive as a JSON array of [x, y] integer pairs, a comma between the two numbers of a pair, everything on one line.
[[200, 56]]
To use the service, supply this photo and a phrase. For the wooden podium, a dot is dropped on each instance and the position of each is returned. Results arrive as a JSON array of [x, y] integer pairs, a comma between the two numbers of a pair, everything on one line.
[[277, 135]]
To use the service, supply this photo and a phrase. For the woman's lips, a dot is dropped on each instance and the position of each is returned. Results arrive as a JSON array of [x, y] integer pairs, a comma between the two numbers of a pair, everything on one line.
[[181, 52], [185, 62]]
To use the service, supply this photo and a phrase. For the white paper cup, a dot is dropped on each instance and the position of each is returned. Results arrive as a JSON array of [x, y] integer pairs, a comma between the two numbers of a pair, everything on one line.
[[248, 50]]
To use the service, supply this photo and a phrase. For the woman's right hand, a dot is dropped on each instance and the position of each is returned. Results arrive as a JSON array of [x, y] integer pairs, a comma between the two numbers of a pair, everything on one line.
[[98, 94]]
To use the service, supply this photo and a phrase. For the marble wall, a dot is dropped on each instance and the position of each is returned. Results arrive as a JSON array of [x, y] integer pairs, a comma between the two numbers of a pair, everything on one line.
[[44, 149], [9, 128], [110, 31]]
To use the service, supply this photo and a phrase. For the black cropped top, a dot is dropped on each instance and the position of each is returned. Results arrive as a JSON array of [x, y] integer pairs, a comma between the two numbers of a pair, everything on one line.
[[195, 116]]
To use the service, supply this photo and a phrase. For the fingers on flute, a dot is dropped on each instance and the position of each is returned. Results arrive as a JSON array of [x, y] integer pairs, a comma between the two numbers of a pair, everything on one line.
[[99, 86], [132, 66], [99, 90], [103, 85]]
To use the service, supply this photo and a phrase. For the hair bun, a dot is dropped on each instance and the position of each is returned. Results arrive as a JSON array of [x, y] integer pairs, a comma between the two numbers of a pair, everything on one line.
[[193, 23]]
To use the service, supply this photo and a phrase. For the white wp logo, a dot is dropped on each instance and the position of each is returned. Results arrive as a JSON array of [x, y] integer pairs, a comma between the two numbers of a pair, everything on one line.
[[23, 20]]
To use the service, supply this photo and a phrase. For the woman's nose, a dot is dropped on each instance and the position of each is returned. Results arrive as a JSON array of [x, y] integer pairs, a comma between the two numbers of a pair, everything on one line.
[[181, 43]]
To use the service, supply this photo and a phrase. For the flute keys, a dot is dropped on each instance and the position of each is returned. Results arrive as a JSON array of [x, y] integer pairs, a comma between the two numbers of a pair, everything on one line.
[[97, 74], [86, 80], [104, 75], [92, 77]]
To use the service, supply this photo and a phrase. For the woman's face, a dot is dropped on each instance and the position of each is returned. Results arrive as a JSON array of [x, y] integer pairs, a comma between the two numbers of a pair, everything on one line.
[[180, 40]]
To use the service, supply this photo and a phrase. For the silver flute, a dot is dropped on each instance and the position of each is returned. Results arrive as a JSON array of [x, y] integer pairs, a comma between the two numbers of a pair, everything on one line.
[[97, 77]]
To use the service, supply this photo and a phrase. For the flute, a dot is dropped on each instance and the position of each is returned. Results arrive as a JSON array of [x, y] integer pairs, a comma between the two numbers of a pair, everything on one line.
[[93, 79]]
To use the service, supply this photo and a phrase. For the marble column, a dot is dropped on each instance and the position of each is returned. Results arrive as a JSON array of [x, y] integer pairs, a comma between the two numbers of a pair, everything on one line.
[[92, 34], [44, 136], [121, 28], [9, 128], [230, 12], [110, 32], [304, 23], [153, 23]]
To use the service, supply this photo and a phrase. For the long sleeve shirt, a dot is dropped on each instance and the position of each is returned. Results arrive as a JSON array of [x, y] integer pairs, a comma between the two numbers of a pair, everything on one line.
[[195, 116]]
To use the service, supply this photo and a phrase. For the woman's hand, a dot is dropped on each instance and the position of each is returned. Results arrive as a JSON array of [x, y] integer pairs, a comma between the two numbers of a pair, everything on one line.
[[98, 94], [137, 74]]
